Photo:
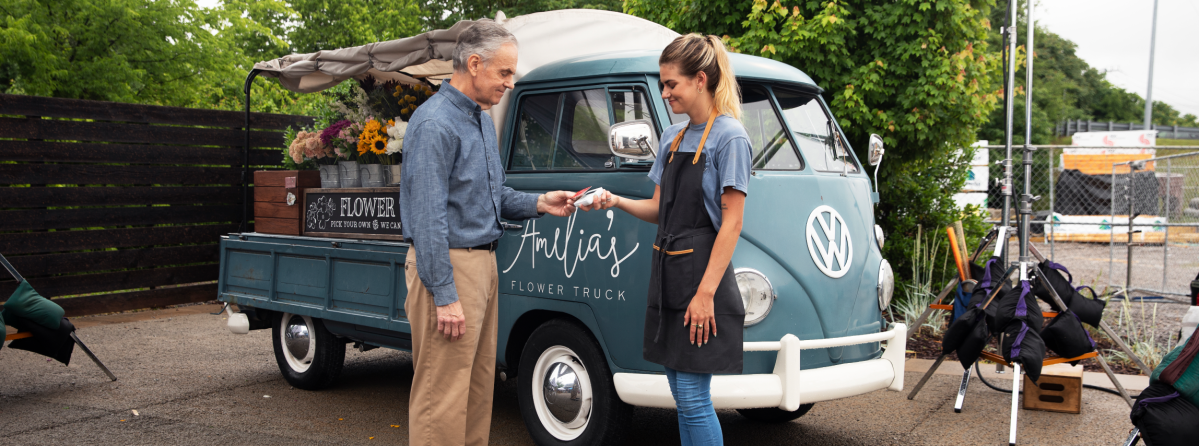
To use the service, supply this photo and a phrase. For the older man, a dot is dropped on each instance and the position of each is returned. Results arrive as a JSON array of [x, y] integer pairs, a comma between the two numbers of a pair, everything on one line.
[[451, 200]]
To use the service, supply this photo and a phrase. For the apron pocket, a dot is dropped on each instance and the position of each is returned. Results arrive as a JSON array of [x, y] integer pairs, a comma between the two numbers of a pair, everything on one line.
[[679, 280]]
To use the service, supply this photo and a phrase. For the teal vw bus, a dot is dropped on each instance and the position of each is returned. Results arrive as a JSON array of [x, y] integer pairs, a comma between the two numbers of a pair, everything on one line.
[[573, 290]]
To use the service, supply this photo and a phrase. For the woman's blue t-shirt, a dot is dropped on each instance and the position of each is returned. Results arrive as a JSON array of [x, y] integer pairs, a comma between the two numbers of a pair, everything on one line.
[[727, 159]]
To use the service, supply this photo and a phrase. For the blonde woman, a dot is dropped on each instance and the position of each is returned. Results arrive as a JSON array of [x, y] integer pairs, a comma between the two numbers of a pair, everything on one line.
[[702, 172]]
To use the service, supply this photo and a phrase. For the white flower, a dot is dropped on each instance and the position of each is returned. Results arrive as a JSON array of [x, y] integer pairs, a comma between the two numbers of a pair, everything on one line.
[[396, 135]]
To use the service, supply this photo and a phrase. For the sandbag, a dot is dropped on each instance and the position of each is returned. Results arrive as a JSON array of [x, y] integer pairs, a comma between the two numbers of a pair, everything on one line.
[[1019, 303], [1066, 336], [1180, 369], [990, 274], [1052, 273], [1021, 344], [978, 299], [54, 343], [1165, 419], [25, 303], [1090, 310], [967, 335]]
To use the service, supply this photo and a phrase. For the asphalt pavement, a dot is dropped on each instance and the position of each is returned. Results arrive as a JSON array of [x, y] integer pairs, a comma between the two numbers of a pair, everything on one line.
[[184, 379]]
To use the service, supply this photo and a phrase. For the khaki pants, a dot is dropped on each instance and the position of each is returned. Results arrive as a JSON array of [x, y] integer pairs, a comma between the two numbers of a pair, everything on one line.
[[452, 387]]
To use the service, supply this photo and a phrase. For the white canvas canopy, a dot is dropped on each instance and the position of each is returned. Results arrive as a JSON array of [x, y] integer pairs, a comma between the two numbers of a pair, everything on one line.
[[544, 37]]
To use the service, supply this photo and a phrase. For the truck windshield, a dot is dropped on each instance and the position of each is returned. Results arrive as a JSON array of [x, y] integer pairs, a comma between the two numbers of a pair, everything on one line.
[[810, 125]]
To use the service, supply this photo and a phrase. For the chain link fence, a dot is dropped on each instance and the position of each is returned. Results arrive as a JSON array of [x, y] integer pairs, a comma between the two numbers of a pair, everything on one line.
[[1081, 219]]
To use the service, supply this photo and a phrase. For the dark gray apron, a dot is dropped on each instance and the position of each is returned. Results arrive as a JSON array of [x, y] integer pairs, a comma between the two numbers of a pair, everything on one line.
[[682, 248]]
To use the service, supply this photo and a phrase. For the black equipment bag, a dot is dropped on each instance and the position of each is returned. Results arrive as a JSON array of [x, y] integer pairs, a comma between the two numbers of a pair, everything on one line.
[[1022, 344], [1019, 304], [1090, 310], [55, 343], [1052, 273], [1165, 418], [1066, 336], [967, 335]]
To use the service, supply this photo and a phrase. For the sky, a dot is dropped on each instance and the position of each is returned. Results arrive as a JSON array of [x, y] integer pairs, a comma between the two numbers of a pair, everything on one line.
[[1113, 36]]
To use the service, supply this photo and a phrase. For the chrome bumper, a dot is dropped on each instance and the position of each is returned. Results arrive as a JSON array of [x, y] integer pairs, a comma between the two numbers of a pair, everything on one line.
[[789, 386]]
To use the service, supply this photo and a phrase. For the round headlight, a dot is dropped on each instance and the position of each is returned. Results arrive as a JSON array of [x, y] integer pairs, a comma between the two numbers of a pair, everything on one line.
[[878, 236], [886, 284], [756, 293]]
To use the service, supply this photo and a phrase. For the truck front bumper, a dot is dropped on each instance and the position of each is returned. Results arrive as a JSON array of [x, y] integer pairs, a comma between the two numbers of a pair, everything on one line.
[[789, 386]]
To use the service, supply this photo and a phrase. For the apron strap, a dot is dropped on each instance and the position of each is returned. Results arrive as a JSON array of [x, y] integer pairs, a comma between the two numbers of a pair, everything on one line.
[[678, 139]]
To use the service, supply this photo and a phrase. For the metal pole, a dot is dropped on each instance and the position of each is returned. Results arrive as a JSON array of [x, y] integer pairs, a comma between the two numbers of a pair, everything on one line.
[[1149, 91], [1166, 236], [1010, 83], [245, 160], [1026, 198], [1052, 210], [1111, 245]]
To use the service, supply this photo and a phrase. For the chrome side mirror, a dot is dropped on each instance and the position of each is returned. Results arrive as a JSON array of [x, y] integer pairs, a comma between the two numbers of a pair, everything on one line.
[[634, 140], [876, 149]]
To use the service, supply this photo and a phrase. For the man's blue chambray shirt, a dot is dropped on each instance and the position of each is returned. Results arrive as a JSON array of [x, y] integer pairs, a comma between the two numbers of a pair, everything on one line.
[[452, 192]]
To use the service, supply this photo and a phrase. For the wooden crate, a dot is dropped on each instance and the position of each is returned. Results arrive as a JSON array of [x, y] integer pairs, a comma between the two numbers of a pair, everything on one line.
[[1058, 390], [272, 213]]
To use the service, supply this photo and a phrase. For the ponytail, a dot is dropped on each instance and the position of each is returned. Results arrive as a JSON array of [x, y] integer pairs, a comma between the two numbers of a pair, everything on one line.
[[693, 53]]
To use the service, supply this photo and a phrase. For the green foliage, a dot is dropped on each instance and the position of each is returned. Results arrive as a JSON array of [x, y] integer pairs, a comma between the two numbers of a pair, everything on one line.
[[328, 25], [441, 14], [917, 73], [1064, 87]]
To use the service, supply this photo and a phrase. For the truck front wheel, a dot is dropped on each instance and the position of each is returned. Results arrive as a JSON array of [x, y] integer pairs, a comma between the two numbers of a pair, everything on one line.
[[566, 392], [774, 414], [309, 356]]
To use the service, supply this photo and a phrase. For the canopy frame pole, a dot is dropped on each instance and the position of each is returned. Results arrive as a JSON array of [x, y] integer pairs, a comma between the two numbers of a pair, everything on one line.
[[11, 270], [245, 158]]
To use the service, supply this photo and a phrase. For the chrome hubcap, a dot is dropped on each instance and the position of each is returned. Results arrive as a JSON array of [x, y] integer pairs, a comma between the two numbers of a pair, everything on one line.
[[562, 392], [296, 337]]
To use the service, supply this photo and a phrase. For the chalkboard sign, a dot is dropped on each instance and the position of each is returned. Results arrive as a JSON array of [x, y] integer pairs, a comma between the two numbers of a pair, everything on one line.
[[362, 213]]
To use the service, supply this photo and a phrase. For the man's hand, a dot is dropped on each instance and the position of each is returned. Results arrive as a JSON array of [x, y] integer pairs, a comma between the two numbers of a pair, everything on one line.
[[603, 201], [555, 203], [451, 321]]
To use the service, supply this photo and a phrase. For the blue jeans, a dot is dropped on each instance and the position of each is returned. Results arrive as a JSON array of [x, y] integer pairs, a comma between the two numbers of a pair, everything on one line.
[[698, 424]]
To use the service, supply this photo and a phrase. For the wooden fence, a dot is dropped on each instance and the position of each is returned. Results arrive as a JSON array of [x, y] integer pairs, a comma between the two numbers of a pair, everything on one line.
[[111, 207]]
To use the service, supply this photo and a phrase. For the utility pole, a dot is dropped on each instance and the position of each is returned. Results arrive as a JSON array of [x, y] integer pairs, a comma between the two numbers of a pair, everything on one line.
[[1149, 92]]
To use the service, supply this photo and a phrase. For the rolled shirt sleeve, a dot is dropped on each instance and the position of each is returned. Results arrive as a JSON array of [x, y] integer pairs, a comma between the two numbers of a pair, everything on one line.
[[426, 169], [734, 164]]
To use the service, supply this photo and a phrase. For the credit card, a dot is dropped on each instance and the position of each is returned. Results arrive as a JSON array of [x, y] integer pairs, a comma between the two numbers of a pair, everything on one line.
[[580, 193]]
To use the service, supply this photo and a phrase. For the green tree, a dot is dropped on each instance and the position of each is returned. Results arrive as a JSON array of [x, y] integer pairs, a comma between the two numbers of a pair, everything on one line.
[[151, 52], [333, 24], [439, 14], [916, 72]]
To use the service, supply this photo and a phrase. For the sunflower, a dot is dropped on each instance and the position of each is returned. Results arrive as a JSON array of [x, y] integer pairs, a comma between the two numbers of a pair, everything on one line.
[[364, 143], [372, 126], [377, 144]]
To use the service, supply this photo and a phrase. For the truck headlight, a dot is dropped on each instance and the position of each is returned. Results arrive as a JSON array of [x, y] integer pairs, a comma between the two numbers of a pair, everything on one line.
[[878, 237], [757, 294], [886, 284]]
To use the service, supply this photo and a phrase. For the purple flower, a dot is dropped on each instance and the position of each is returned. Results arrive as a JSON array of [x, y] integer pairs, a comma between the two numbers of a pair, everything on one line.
[[329, 133]]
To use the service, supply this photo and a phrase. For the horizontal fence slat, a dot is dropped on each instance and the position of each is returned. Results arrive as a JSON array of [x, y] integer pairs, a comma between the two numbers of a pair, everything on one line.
[[99, 174], [56, 130], [42, 219], [122, 280], [114, 111], [15, 197], [81, 262], [48, 151], [136, 300], [44, 242]]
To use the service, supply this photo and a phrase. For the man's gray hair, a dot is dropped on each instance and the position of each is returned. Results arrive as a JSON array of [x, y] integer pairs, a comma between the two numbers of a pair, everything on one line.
[[484, 38]]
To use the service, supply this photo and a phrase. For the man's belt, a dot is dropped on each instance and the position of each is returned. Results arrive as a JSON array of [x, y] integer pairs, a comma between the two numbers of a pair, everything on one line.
[[488, 246]]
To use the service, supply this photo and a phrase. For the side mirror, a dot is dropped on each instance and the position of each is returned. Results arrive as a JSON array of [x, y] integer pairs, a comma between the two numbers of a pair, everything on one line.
[[876, 149], [635, 140]]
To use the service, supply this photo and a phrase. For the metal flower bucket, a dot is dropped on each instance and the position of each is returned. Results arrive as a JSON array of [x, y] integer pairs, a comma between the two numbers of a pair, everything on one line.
[[393, 175], [330, 179], [347, 172], [372, 175]]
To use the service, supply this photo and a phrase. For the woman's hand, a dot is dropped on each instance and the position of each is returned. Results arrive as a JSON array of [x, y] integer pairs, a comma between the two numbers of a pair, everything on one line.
[[700, 319], [604, 201]]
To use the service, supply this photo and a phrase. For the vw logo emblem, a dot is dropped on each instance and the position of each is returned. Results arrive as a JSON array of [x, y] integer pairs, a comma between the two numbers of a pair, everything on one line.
[[832, 253]]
